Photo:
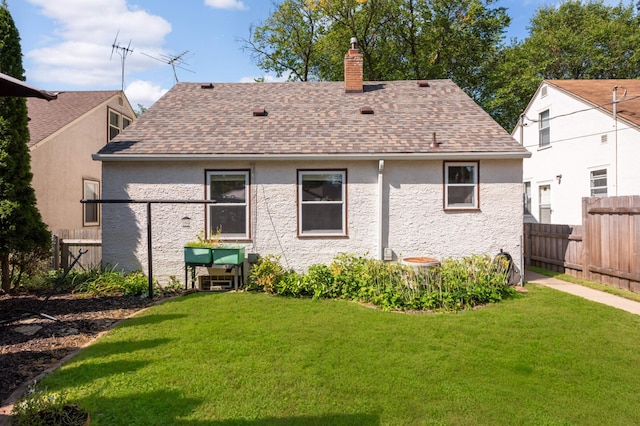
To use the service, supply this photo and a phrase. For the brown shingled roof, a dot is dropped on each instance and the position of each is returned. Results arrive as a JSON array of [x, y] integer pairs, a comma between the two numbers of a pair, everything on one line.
[[600, 93], [312, 118], [48, 117]]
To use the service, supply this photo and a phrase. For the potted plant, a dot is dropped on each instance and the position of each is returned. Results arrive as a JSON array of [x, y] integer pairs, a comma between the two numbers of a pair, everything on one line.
[[42, 408]]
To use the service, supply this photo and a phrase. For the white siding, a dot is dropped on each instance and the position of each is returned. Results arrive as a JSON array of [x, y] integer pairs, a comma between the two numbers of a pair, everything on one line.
[[576, 149], [415, 223]]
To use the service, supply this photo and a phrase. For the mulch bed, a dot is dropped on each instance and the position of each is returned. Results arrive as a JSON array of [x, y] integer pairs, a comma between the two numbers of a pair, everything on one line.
[[33, 343]]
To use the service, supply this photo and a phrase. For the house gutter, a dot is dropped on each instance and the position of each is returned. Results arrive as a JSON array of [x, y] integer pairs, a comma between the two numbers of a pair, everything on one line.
[[322, 157], [380, 207]]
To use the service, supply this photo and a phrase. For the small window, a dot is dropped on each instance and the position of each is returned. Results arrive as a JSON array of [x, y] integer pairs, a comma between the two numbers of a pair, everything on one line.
[[91, 211], [526, 198], [599, 183], [543, 124], [230, 214], [461, 186], [322, 206], [117, 123]]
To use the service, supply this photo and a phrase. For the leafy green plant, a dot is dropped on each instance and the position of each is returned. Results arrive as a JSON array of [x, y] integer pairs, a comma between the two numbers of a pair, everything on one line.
[[173, 286], [42, 408], [456, 284], [265, 274], [202, 241], [112, 282], [135, 284]]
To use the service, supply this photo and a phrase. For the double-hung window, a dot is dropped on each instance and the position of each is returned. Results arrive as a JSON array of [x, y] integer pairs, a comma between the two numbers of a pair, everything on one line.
[[599, 183], [322, 208], [117, 123], [544, 129], [230, 213], [461, 186], [90, 211]]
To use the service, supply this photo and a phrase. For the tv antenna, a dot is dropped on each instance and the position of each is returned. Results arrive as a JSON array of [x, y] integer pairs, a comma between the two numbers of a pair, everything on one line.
[[176, 61], [122, 51]]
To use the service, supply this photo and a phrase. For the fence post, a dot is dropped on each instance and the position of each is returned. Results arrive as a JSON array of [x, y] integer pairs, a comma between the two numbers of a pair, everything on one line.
[[586, 239], [64, 255], [527, 244], [55, 252]]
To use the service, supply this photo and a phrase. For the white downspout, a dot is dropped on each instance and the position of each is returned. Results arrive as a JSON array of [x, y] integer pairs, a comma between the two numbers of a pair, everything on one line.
[[380, 206]]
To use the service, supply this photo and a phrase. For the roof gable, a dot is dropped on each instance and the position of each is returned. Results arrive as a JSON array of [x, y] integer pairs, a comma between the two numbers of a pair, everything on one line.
[[45, 118], [599, 93], [312, 118]]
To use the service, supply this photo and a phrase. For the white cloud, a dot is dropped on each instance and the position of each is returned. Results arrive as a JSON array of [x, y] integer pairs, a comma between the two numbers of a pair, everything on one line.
[[225, 4], [143, 93], [80, 50]]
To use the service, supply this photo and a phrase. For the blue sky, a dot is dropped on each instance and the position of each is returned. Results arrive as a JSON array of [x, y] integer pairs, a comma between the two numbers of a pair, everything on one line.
[[67, 44]]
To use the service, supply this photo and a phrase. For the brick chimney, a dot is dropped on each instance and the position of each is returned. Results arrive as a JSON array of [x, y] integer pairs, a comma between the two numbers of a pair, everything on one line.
[[353, 69]]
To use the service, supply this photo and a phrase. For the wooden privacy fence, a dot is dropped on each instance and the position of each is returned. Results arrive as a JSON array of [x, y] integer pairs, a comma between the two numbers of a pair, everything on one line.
[[68, 243], [605, 248]]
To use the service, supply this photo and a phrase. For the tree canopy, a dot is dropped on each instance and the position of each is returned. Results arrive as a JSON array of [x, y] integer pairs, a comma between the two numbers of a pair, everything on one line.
[[399, 39], [458, 39], [574, 40]]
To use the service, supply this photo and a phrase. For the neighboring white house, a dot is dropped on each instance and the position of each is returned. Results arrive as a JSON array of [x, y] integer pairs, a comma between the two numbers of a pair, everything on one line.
[[308, 170], [584, 139]]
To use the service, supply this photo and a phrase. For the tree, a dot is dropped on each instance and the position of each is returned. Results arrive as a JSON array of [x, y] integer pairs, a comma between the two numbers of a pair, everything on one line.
[[575, 40], [286, 42], [398, 39], [21, 227], [141, 110]]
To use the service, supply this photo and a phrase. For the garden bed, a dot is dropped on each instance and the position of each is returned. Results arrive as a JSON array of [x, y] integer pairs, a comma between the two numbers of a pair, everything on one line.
[[34, 344]]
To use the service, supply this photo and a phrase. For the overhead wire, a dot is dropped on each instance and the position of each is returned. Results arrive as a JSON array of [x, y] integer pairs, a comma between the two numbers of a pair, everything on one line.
[[597, 107], [582, 110]]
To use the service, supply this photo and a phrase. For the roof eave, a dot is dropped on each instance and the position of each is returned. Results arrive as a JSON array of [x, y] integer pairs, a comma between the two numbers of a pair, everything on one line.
[[510, 155]]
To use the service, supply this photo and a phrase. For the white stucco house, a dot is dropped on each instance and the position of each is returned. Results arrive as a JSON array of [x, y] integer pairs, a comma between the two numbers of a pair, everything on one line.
[[584, 139], [309, 170]]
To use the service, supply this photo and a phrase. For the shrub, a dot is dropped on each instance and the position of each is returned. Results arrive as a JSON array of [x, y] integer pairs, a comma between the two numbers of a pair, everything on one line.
[[319, 282], [456, 284], [291, 284], [265, 274]]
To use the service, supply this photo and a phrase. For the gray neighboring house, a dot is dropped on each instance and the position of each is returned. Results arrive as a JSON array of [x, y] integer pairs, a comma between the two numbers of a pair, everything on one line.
[[63, 136], [307, 170]]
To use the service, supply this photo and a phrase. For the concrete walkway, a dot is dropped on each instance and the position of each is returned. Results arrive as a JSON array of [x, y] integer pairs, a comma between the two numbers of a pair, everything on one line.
[[585, 292]]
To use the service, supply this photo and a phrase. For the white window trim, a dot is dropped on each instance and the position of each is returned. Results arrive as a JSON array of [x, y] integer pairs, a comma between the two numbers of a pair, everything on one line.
[[591, 187], [476, 186], [339, 233], [247, 182], [90, 205], [119, 126]]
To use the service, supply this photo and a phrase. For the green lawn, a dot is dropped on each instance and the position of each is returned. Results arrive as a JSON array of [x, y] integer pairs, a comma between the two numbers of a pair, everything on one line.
[[543, 358]]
